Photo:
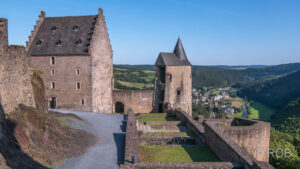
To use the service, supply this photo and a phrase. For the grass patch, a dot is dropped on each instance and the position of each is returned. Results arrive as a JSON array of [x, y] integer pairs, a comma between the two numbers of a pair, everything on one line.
[[157, 153], [259, 111], [157, 118], [235, 115], [172, 134]]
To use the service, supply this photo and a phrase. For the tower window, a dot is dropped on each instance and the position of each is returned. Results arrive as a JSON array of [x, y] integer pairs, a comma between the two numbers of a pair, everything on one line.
[[76, 28], [77, 72], [79, 42], [39, 43], [78, 86], [170, 77], [52, 72], [52, 85], [178, 92], [82, 101], [52, 60], [59, 43], [54, 29]]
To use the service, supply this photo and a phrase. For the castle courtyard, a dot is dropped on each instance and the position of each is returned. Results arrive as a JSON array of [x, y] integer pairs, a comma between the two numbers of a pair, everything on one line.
[[108, 152]]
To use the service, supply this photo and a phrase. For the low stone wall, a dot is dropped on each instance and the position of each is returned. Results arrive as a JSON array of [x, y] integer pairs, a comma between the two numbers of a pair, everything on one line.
[[140, 101], [191, 124], [227, 150], [132, 139], [176, 165], [156, 140]]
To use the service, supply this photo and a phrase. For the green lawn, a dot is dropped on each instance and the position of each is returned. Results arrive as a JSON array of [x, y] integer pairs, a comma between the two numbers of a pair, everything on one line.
[[157, 153], [259, 111], [157, 118], [173, 134]]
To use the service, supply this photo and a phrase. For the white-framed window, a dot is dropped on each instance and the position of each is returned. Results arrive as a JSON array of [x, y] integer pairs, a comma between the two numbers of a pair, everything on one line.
[[52, 85], [78, 86], [52, 72], [39, 43], [77, 72], [52, 60]]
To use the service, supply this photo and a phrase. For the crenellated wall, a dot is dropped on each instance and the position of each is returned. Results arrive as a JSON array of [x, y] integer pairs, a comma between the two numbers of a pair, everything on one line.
[[35, 29], [102, 67], [140, 101]]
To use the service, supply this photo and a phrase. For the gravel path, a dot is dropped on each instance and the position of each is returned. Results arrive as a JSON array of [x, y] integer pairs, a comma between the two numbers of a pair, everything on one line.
[[108, 152]]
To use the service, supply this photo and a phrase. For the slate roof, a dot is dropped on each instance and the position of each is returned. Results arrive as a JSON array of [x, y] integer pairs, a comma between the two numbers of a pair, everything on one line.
[[177, 58], [70, 30]]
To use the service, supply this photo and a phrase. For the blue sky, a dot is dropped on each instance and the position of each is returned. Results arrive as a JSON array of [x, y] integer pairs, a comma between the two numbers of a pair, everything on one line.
[[213, 32]]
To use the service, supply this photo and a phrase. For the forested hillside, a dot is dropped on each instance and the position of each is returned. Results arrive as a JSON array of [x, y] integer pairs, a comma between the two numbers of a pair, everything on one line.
[[282, 94], [205, 76]]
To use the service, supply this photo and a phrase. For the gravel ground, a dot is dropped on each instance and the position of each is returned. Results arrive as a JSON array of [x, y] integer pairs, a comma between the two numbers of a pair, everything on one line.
[[108, 152]]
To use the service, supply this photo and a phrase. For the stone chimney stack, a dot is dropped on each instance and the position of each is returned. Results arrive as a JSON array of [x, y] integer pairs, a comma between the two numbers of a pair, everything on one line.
[[3, 33]]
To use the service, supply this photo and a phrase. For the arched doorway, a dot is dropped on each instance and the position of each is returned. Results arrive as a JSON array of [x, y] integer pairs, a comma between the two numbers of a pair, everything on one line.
[[119, 107]]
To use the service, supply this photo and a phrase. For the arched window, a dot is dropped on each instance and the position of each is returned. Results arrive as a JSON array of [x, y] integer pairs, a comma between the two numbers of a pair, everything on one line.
[[76, 28], [39, 43], [54, 28], [59, 43]]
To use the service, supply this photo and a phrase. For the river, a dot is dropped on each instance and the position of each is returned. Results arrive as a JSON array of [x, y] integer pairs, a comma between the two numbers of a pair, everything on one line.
[[245, 112]]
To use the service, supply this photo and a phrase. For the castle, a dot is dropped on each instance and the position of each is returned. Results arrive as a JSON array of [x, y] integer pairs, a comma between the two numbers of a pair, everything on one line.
[[75, 55]]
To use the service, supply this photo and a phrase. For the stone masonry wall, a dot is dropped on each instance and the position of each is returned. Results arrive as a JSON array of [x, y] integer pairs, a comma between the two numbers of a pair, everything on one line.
[[102, 68], [255, 138], [179, 78], [66, 78], [140, 101], [15, 83]]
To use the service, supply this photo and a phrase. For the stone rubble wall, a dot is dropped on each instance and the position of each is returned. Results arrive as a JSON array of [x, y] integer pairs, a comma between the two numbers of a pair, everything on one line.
[[140, 101], [15, 82]]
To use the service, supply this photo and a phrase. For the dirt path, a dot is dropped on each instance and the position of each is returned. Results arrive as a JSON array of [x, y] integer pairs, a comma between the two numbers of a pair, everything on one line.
[[108, 153]]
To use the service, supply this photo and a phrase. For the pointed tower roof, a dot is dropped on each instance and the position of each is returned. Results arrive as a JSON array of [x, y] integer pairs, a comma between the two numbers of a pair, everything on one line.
[[177, 58], [179, 50]]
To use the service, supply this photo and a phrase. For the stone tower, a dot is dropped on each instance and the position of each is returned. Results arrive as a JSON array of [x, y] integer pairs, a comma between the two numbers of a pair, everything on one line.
[[3, 33], [102, 67], [173, 82]]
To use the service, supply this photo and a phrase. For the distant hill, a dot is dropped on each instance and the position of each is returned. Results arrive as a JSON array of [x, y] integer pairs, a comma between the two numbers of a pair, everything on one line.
[[282, 94], [223, 76]]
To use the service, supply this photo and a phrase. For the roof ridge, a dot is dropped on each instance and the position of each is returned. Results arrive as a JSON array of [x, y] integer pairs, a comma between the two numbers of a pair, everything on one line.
[[69, 16]]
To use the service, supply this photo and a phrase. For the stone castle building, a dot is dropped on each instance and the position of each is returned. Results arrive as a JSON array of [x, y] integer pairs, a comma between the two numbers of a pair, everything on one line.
[[75, 56], [173, 83]]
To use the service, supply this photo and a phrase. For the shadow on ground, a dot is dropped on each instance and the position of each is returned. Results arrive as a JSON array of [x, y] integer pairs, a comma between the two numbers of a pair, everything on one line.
[[120, 141]]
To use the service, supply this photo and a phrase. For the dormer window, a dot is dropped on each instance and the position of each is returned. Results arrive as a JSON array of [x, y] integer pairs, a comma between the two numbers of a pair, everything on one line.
[[39, 43], [59, 43], [54, 29], [79, 42], [76, 28]]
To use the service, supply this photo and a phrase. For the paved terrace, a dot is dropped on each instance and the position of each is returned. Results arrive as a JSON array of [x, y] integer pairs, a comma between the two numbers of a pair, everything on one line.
[[109, 150]]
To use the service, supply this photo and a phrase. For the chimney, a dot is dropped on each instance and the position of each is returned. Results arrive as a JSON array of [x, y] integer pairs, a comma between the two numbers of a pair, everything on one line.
[[3, 33]]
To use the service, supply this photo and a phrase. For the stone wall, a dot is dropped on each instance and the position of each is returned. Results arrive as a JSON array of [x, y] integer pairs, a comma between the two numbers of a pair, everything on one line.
[[254, 138], [140, 101], [102, 67], [15, 83], [66, 78], [3, 33], [227, 150], [132, 139], [177, 89]]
